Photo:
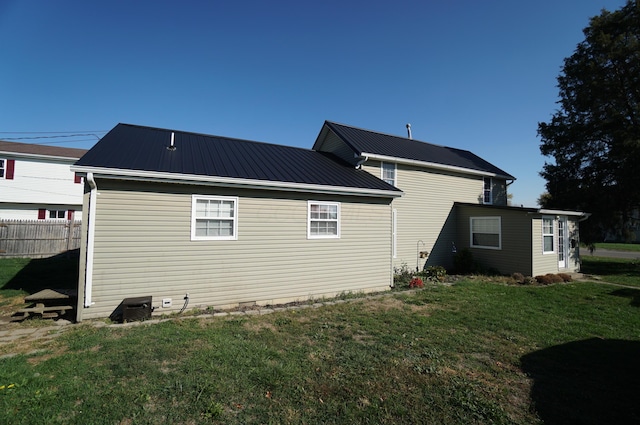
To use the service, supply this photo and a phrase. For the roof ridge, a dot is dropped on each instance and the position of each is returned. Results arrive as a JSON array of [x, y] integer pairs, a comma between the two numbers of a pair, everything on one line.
[[235, 139]]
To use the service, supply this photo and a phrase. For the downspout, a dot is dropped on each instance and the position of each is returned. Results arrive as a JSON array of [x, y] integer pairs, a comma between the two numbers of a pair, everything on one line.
[[88, 280], [361, 161]]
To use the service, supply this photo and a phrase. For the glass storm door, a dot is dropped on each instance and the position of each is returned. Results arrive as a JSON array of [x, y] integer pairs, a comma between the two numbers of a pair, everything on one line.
[[562, 243]]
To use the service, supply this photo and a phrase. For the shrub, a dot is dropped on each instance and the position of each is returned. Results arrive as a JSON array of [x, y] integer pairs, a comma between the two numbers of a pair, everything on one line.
[[565, 277], [544, 280], [529, 280], [555, 278], [402, 275], [463, 261], [435, 273], [518, 278]]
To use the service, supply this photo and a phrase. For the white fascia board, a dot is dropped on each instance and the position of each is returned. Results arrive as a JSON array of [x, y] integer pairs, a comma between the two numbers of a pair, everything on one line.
[[562, 212], [432, 165], [163, 177], [37, 156]]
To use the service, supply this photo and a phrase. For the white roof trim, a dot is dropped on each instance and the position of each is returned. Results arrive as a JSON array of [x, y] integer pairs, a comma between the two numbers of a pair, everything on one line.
[[562, 212], [164, 177], [432, 165], [5, 154]]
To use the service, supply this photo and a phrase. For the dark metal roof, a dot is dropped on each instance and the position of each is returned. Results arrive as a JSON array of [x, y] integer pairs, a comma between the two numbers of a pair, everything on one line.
[[132, 147], [33, 149], [366, 141]]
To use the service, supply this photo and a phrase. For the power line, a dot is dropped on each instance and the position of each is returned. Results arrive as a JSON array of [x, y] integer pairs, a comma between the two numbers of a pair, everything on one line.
[[53, 132], [52, 137]]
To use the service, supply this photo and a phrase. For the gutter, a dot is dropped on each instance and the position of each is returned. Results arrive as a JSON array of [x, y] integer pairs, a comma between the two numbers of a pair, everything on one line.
[[88, 279], [434, 165]]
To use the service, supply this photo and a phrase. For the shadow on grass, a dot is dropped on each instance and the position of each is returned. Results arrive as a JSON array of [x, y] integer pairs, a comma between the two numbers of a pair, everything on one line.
[[57, 272], [610, 266], [632, 294], [595, 381]]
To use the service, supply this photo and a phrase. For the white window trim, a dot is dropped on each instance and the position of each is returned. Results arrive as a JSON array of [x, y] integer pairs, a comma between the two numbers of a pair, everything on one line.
[[552, 234], [471, 244], [309, 235], [395, 172], [195, 198], [484, 190]]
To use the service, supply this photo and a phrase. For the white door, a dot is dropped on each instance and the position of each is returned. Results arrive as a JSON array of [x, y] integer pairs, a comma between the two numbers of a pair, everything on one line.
[[562, 242]]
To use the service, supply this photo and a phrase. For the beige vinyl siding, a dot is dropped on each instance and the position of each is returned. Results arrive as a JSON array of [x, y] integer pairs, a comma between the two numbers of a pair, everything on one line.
[[515, 253], [425, 212], [573, 260], [143, 247], [543, 263]]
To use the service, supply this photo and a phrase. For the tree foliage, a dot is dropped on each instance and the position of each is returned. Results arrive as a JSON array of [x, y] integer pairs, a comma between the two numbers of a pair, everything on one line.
[[594, 137]]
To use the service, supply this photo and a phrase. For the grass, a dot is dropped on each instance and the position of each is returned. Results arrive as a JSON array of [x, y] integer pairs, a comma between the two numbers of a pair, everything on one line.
[[634, 247], [475, 353], [614, 270]]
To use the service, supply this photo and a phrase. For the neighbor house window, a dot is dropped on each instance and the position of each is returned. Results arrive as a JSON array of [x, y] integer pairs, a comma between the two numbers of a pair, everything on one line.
[[389, 173], [7, 167], [57, 213], [486, 232], [486, 193], [548, 245], [214, 218], [323, 220]]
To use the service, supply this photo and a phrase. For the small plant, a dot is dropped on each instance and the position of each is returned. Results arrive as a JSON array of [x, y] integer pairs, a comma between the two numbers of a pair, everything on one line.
[[416, 282], [402, 275]]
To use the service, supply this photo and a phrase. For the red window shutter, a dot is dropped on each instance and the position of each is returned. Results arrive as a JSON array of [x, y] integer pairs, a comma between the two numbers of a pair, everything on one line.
[[11, 165], [42, 214], [77, 178], [70, 214]]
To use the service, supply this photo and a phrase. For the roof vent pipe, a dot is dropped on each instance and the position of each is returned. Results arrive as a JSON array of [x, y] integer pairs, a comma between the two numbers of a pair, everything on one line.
[[172, 146], [409, 131]]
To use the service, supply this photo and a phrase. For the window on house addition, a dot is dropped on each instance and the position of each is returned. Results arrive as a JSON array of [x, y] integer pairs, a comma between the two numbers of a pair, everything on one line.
[[323, 220], [57, 213], [548, 244], [487, 198], [214, 218], [486, 232], [389, 173], [7, 167], [3, 164]]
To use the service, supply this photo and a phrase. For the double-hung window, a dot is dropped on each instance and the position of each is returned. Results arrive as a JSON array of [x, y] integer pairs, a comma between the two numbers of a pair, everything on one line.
[[548, 244], [486, 232], [3, 168], [323, 220], [389, 173], [214, 218], [486, 193]]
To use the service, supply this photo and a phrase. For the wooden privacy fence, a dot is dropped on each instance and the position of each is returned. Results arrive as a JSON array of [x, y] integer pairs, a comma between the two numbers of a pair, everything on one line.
[[37, 239]]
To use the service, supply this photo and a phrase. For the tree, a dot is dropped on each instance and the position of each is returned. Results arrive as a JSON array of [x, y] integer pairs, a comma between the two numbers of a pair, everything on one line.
[[594, 137]]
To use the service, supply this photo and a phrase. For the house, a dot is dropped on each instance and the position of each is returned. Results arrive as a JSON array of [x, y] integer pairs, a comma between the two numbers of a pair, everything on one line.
[[36, 182], [200, 220], [453, 199]]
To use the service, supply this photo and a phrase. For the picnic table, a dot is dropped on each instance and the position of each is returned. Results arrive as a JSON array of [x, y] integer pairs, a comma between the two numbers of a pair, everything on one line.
[[49, 303]]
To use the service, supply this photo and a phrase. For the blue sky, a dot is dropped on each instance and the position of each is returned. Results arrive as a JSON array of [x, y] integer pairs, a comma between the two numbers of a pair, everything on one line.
[[471, 74]]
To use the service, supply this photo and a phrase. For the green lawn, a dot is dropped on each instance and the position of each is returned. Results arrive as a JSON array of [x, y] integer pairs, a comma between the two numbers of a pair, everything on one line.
[[614, 270], [618, 246], [472, 353]]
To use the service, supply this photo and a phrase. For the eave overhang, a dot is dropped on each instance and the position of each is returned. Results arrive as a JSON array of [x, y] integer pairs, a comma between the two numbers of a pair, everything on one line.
[[201, 180]]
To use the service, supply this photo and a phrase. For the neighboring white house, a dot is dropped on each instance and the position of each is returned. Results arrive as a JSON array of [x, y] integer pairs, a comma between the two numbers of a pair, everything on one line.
[[36, 182]]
